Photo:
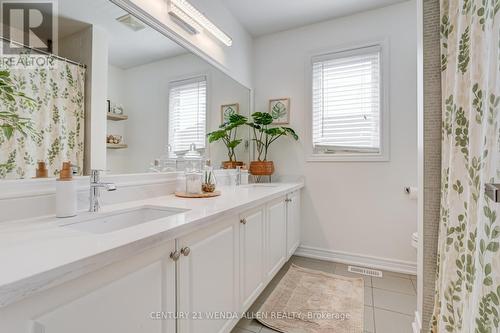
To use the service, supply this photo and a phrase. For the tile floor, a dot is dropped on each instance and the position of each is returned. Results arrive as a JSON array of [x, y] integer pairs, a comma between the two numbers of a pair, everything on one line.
[[390, 301]]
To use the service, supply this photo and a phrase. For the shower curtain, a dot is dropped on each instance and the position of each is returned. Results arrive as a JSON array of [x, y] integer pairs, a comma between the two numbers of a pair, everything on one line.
[[467, 295], [57, 115]]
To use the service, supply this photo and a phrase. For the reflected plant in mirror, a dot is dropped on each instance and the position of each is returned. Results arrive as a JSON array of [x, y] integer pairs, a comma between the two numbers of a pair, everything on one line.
[[228, 134]]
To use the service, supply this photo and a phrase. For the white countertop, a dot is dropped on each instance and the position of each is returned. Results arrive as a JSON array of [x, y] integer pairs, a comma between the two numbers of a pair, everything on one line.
[[38, 254]]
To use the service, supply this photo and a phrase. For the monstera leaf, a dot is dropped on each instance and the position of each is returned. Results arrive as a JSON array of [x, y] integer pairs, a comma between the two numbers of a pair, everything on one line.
[[278, 110]]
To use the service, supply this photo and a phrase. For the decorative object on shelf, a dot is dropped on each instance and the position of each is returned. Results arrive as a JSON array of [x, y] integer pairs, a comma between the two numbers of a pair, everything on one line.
[[193, 171], [116, 117], [114, 108], [116, 146], [209, 181], [114, 139], [227, 133], [279, 109], [117, 109], [226, 111], [264, 136]]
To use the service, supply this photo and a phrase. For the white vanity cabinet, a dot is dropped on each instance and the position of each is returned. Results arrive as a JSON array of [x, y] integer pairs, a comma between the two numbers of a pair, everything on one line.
[[118, 298], [208, 278], [214, 272], [275, 236], [252, 255], [292, 222]]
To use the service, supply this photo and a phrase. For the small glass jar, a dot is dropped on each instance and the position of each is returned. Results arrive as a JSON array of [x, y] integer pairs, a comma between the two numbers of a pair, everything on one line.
[[209, 181], [193, 171], [192, 159]]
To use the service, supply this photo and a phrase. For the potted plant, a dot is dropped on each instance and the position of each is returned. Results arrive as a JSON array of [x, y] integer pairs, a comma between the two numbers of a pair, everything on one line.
[[227, 133], [264, 136]]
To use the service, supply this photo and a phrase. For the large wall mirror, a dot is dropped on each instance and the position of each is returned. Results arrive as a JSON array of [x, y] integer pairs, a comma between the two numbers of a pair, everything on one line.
[[116, 95]]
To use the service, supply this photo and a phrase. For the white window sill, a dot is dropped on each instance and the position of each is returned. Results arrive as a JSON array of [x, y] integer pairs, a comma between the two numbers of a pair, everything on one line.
[[348, 157]]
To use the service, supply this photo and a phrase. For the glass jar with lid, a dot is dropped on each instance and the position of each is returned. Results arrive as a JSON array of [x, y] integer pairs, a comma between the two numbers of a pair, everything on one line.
[[193, 170]]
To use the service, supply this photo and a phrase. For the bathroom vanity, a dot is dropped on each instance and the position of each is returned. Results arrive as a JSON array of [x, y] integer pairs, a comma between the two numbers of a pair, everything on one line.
[[191, 270], [146, 261]]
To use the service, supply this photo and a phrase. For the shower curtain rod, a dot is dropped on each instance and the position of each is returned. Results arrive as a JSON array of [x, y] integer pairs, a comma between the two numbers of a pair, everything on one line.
[[45, 53]]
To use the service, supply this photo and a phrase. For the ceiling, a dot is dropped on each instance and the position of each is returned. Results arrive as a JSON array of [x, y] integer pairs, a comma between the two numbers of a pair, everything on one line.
[[261, 17], [126, 48]]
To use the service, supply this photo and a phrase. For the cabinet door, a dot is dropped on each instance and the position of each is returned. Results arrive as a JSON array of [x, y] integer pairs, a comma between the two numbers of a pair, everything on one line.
[[251, 256], [293, 222], [123, 305], [275, 236], [208, 278]]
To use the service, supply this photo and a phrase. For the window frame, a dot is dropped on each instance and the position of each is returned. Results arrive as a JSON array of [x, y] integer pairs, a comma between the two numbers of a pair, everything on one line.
[[176, 81], [352, 155]]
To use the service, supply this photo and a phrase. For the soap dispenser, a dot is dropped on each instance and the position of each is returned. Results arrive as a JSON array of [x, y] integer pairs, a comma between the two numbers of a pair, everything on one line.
[[66, 192]]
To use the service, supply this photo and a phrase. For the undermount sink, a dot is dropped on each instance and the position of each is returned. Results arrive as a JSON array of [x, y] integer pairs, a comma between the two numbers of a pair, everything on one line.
[[102, 223]]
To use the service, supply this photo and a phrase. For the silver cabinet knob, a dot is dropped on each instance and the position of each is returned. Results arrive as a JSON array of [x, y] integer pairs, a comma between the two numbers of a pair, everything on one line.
[[243, 221], [288, 200], [185, 251], [175, 255]]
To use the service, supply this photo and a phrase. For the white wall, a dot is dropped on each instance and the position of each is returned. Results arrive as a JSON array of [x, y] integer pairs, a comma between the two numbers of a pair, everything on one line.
[[90, 47], [353, 207], [143, 91], [235, 60]]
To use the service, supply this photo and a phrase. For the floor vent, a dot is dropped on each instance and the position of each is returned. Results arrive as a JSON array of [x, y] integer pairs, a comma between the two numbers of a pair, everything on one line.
[[365, 271]]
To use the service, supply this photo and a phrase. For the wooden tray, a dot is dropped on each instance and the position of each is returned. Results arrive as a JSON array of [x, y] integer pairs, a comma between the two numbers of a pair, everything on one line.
[[202, 195]]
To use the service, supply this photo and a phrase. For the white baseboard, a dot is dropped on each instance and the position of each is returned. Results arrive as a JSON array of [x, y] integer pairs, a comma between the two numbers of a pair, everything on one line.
[[386, 264], [417, 325]]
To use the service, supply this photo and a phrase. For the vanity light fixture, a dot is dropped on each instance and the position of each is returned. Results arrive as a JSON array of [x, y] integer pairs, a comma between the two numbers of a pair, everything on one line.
[[194, 21]]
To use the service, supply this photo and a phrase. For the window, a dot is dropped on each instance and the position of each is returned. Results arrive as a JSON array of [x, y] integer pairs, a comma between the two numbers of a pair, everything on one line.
[[347, 103], [187, 113]]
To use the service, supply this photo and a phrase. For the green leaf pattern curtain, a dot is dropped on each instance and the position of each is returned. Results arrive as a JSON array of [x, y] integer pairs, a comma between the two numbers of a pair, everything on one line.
[[468, 281], [57, 116]]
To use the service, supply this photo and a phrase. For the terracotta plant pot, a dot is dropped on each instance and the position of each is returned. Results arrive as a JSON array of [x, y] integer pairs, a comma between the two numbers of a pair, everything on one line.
[[231, 164], [261, 168]]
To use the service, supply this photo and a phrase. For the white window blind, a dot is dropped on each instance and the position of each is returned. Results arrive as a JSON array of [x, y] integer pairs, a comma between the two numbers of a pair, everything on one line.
[[187, 113], [346, 101]]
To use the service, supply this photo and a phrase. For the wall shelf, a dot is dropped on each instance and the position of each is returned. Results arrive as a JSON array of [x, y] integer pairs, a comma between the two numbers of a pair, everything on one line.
[[116, 146], [116, 117]]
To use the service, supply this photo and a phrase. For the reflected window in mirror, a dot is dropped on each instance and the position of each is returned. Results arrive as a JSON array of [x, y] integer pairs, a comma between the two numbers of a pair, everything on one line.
[[187, 113]]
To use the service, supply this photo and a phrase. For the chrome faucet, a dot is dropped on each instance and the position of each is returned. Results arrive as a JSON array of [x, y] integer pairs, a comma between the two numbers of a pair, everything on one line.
[[95, 190]]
